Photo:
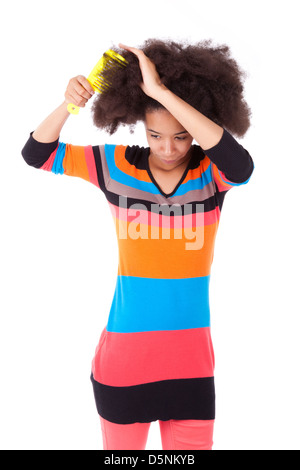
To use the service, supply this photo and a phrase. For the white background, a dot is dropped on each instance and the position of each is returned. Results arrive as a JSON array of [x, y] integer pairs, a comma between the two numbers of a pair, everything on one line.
[[58, 245]]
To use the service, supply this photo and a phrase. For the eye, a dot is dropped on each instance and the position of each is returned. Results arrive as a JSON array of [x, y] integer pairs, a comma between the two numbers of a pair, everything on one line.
[[181, 138], [155, 136]]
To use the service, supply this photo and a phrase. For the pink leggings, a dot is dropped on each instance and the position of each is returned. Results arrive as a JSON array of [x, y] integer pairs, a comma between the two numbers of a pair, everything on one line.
[[175, 435]]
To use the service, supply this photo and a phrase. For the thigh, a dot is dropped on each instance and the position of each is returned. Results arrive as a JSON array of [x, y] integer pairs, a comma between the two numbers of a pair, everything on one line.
[[124, 436], [187, 434]]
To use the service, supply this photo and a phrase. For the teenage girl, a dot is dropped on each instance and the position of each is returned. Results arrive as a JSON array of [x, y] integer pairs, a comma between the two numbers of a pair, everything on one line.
[[155, 359]]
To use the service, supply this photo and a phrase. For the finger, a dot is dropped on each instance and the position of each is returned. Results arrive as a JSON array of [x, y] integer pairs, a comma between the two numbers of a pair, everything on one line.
[[134, 50], [73, 97], [86, 84], [87, 87], [79, 92], [123, 46]]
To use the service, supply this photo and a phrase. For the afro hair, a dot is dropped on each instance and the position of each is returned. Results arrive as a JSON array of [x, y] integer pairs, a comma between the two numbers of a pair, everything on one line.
[[203, 75]]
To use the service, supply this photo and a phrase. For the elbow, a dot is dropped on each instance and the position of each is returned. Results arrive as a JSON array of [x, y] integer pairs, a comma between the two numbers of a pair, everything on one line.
[[37, 153], [31, 159], [244, 174], [26, 156], [250, 169]]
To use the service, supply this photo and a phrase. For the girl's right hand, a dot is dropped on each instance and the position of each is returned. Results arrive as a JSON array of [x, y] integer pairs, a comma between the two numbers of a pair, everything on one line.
[[78, 91]]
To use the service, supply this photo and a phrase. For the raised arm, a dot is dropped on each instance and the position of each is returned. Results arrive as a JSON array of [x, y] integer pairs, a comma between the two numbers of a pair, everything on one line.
[[231, 162], [43, 149], [79, 91]]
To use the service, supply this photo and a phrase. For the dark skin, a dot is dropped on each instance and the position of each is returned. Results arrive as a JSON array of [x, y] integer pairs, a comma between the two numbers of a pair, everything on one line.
[[170, 144], [170, 148]]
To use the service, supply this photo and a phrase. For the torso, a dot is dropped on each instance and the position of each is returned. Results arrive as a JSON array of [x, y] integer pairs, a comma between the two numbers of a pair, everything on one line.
[[156, 347]]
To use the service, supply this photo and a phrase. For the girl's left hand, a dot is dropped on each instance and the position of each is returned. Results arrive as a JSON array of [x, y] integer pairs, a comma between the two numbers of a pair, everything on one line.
[[151, 84]]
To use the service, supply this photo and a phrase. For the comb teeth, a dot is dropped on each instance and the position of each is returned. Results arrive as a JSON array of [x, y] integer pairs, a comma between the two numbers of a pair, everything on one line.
[[115, 59], [109, 62], [101, 85]]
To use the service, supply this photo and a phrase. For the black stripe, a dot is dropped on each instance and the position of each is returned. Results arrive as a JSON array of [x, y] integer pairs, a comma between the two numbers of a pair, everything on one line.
[[97, 156], [138, 156], [163, 400], [209, 203]]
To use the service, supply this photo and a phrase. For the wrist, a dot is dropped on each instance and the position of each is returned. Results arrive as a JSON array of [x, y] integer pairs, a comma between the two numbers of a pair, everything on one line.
[[160, 93]]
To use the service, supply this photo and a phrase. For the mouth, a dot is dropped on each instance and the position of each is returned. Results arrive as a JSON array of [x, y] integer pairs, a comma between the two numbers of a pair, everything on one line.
[[169, 161]]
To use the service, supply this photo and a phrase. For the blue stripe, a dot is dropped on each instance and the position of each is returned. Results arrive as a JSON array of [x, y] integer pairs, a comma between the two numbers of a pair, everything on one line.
[[150, 187], [122, 177], [148, 304], [57, 166], [195, 184]]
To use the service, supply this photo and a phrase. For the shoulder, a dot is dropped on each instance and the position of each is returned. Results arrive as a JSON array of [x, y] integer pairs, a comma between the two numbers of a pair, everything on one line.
[[134, 154]]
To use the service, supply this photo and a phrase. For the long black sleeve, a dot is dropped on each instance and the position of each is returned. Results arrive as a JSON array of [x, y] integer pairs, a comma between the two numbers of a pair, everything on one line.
[[231, 158], [36, 153]]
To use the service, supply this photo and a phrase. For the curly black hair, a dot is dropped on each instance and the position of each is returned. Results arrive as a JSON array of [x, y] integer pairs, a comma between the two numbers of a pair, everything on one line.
[[203, 75]]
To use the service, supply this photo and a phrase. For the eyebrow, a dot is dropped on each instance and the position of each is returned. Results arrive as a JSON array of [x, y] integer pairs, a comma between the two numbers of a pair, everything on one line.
[[178, 133]]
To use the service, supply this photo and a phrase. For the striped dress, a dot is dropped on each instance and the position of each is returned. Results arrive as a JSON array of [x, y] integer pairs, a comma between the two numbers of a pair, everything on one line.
[[155, 358]]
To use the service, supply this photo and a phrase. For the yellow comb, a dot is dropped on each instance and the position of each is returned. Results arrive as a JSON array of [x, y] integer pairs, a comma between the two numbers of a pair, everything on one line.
[[109, 60]]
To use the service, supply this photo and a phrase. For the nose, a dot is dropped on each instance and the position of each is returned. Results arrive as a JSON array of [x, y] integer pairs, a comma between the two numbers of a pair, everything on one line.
[[168, 148]]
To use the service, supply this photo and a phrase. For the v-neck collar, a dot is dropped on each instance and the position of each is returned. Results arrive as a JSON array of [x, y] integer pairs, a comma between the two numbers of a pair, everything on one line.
[[179, 182]]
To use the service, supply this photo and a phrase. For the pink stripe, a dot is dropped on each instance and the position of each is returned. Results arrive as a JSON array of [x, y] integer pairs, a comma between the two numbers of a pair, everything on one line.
[[221, 187], [49, 163], [159, 220], [90, 162], [218, 175], [125, 359]]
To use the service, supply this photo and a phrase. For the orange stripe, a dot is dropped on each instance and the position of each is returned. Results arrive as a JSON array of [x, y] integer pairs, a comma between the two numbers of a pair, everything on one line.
[[129, 169], [196, 172], [74, 163], [177, 259], [221, 185]]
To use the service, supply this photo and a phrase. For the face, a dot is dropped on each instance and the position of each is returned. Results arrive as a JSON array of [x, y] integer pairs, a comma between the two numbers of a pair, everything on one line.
[[169, 142]]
